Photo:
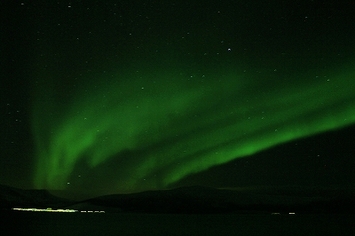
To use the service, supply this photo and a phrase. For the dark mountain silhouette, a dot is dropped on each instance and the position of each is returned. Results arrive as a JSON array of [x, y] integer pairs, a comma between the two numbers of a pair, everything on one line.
[[14, 197], [194, 200], [200, 200]]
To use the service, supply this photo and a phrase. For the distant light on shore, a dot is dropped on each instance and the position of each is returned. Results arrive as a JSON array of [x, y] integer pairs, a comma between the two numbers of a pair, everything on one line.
[[52, 210]]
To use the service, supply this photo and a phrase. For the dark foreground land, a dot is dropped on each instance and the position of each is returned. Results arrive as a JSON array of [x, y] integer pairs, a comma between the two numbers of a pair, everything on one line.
[[183, 211], [45, 223]]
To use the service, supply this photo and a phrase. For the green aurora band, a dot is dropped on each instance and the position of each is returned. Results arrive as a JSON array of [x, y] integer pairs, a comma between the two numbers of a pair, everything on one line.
[[158, 132]]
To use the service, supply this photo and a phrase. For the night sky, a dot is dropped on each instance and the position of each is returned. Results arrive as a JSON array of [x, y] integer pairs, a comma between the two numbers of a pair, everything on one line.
[[126, 96]]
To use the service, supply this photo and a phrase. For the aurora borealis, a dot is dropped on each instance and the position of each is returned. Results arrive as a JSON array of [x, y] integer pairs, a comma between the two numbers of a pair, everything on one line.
[[161, 133], [131, 97]]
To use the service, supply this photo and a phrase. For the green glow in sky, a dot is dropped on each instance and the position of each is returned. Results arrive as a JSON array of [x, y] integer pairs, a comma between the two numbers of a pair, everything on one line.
[[154, 129]]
